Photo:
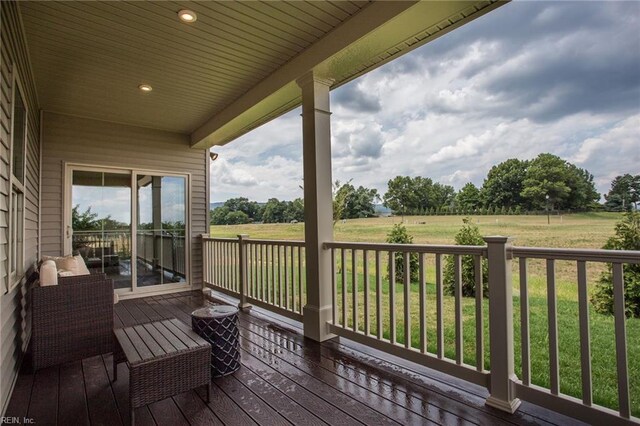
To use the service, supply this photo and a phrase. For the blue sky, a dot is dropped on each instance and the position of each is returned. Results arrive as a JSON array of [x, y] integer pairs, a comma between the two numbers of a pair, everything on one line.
[[530, 77]]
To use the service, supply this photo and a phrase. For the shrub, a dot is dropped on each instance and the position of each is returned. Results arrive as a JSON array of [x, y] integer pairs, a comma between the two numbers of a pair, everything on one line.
[[399, 235], [468, 235], [627, 237]]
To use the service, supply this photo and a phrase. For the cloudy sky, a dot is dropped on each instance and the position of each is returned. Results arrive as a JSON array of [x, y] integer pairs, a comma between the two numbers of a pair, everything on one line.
[[530, 77]]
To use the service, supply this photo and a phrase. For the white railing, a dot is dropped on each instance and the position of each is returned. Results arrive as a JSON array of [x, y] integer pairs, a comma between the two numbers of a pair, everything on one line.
[[221, 264], [472, 338], [371, 307], [266, 273], [552, 396]]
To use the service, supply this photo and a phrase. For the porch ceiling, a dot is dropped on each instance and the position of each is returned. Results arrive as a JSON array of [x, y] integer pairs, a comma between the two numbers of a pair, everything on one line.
[[230, 71]]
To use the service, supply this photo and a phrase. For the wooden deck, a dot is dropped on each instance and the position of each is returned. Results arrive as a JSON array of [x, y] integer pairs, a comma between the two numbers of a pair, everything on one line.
[[285, 379]]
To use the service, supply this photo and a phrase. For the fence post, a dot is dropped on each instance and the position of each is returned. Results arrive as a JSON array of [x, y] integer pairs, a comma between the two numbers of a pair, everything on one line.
[[242, 276], [501, 388]]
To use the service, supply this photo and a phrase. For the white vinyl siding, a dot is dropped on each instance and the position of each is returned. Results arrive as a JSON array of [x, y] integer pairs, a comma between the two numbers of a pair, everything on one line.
[[15, 327]]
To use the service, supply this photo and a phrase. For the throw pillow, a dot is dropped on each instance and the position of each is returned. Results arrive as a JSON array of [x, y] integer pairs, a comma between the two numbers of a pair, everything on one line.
[[48, 273]]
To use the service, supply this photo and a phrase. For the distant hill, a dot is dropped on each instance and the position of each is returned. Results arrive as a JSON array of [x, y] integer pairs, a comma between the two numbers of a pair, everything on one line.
[[382, 210], [213, 206]]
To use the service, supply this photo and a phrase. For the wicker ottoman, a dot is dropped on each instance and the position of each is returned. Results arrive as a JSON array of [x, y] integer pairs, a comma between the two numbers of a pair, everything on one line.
[[165, 358], [219, 326]]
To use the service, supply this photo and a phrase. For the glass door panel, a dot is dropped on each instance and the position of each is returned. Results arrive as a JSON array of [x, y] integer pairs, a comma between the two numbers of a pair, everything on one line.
[[101, 223], [161, 229]]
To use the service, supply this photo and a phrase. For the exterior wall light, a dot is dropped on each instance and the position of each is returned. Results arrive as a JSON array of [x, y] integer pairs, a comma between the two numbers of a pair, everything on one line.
[[145, 88]]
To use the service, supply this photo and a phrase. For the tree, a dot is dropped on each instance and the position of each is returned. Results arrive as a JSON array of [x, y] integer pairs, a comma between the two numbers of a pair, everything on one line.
[[294, 211], [468, 235], [399, 235], [406, 195], [401, 195], [624, 193], [219, 215], [236, 218], [86, 221], [627, 237], [504, 183], [274, 211], [356, 203], [440, 195], [567, 186], [339, 200], [468, 198]]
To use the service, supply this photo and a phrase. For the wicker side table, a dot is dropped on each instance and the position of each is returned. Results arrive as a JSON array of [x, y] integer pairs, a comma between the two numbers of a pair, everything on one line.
[[219, 326], [165, 358]]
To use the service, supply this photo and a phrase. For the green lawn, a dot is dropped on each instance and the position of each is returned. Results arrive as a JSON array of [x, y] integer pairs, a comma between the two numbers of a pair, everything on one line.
[[581, 230]]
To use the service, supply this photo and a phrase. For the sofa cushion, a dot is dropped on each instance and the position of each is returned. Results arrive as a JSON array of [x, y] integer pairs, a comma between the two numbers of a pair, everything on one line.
[[48, 273]]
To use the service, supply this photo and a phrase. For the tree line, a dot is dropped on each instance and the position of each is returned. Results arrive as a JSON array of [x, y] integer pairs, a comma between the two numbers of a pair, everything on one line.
[[514, 186]]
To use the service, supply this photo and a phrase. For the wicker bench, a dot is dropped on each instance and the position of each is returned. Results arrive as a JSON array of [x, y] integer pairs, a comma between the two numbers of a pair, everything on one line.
[[165, 358]]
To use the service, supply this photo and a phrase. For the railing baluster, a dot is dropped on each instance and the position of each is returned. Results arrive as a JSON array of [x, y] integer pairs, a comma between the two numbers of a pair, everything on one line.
[[256, 293], [365, 271], [585, 339], [423, 305], [262, 283], [524, 322], [439, 310], [293, 284], [272, 287], [334, 288], [343, 265], [392, 297], [457, 262], [477, 266], [621, 340], [554, 371], [286, 278], [278, 247], [407, 300], [378, 297], [301, 301], [216, 256], [354, 287]]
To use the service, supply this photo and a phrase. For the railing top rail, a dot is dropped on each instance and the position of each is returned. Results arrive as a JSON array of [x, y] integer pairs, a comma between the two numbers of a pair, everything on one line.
[[409, 248], [587, 255], [294, 243], [228, 240]]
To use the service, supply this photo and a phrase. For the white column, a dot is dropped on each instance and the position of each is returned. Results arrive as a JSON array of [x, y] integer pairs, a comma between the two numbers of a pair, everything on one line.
[[318, 203], [501, 389]]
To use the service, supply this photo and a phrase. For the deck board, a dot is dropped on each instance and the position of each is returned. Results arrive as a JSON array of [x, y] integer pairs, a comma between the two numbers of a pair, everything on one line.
[[285, 379]]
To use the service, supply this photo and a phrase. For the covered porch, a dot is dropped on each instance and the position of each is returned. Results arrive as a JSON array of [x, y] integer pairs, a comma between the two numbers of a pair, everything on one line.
[[120, 103]]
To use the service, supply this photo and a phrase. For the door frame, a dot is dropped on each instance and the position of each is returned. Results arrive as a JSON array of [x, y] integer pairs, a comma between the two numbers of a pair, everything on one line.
[[67, 230]]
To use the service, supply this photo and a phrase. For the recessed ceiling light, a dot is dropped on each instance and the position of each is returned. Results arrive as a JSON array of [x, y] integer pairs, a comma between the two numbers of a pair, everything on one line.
[[187, 16], [145, 88]]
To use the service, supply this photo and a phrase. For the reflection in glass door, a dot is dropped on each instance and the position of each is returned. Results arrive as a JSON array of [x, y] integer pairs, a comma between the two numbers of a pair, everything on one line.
[[161, 229], [101, 223]]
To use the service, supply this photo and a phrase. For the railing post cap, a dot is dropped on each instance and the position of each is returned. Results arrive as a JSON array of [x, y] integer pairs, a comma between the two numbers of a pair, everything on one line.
[[243, 235], [497, 239], [204, 235]]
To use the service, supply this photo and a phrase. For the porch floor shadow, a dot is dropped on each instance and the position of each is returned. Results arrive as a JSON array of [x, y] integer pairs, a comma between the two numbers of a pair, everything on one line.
[[284, 379]]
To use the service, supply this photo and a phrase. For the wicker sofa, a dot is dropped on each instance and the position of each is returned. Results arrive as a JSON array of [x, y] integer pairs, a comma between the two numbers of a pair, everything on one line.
[[72, 320]]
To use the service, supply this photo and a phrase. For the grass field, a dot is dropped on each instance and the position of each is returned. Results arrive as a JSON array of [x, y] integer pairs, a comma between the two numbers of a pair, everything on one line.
[[586, 230], [577, 231]]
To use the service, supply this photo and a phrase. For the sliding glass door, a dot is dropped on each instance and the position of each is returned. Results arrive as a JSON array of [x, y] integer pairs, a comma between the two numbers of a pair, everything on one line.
[[161, 229], [130, 225]]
